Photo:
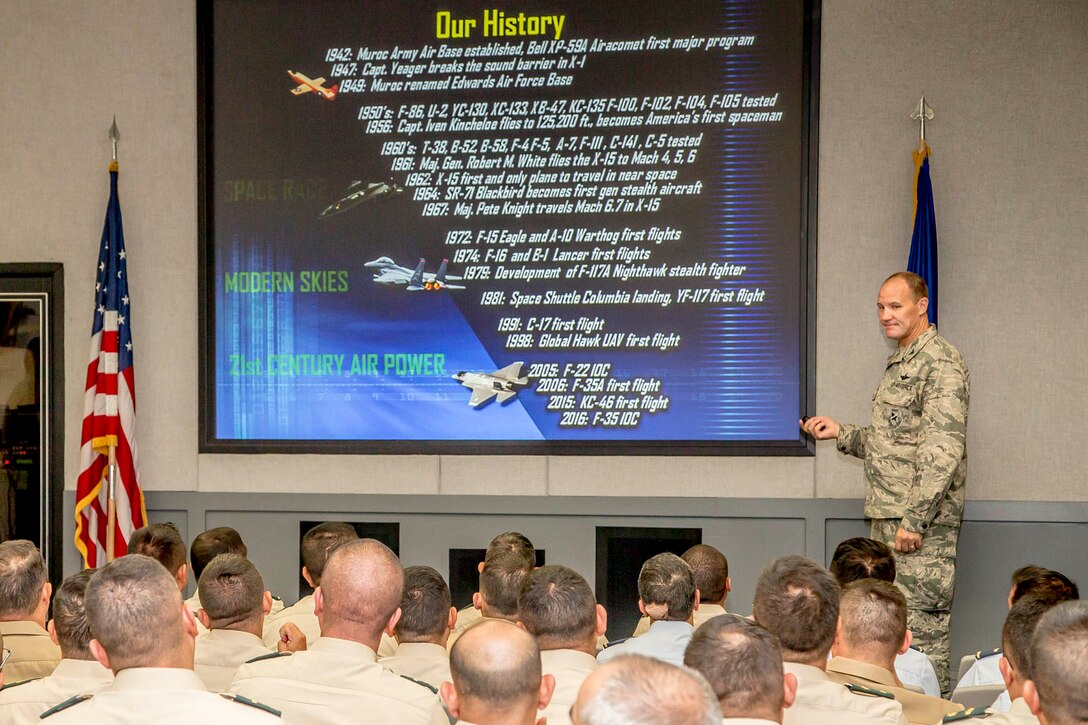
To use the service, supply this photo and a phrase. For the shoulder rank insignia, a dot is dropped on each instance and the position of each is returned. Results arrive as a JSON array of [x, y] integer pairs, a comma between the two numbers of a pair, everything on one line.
[[981, 655], [269, 656], [242, 700], [615, 642], [871, 691], [974, 712], [7, 686], [916, 648], [421, 683], [66, 704]]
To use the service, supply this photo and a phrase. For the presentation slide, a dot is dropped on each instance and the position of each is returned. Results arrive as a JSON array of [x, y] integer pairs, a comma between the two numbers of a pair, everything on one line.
[[528, 226]]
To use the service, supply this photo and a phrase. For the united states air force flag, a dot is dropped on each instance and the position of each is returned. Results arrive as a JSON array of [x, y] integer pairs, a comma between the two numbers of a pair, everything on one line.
[[923, 243]]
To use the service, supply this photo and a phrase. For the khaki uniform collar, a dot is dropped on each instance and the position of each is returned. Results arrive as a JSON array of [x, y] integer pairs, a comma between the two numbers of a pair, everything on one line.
[[22, 627], [157, 678], [862, 670], [902, 354]]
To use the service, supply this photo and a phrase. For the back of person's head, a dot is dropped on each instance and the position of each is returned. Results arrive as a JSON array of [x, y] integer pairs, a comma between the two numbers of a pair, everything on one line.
[[161, 542], [862, 558], [70, 616], [22, 577], [213, 542], [361, 588], [496, 671], [1058, 653], [231, 592], [557, 606], [135, 612], [513, 543], [318, 544], [666, 587], [500, 585], [874, 618], [636, 690], [425, 607], [711, 571], [1034, 579], [798, 601], [743, 664], [1019, 629]]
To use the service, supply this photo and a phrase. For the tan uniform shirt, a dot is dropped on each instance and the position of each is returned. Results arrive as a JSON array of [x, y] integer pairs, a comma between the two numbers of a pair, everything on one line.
[[823, 702], [193, 603], [160, 695], [1019, 714], [466, 616], [919, 708], [703, 614], [337, 681], [221, 652], [23, 703], [301, 614], [422, 661], [33, 654], [747, 721], [570, 668]]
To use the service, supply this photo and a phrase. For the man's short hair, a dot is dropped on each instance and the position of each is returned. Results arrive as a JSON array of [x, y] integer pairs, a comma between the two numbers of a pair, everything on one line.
[[711, 571], [231, 591], [1058, 653], [22, 576], [514, 543], [213, 542], [70, 616], [557, 606], [501, 581], [862, 558], [666, 579], [499, 671], [918, 286], [743, 664], [798, 601], [425, 607], [319, 542], [162, 542], [1033, 579], [363, 584], [1019, 629], [874, 616], [640, 690], [134, 608]]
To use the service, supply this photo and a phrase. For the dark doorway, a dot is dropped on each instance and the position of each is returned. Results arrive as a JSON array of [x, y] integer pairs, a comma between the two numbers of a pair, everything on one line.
[[465, 574], [387, 532]]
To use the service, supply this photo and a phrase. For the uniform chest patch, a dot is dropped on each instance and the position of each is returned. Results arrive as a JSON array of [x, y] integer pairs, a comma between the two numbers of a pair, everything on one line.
[[895, 418]]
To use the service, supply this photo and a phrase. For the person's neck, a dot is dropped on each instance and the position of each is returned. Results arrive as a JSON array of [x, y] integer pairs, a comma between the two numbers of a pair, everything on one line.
[[868, 657], [350, 632], [817, 660], [589, 647], [250, 626], [754, 714], [36, 617], [518, 714], [913, 334], [437, 639]]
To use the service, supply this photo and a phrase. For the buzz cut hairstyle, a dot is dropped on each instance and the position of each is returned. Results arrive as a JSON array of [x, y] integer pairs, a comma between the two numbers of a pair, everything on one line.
[[231, 591], [497, 681], [711, 571], [513, 543], [798, 601], [134, 609], [1035, 580], [501, 582], [162, 542], [363, 585], [425, 606], [646, 691], [743, 664], [862, 558], [918, 286], [70, 616], [320, 541], [1019, 629], [558, 607], [667, 579], [874, 614], [212, 543], [22, 576], [1058, 653]]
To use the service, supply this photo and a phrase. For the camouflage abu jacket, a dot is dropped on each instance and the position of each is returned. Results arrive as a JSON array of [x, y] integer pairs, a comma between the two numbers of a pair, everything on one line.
[[915, 448]]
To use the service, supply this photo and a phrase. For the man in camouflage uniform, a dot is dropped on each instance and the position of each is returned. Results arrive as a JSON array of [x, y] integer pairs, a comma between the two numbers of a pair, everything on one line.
[[915, 459]]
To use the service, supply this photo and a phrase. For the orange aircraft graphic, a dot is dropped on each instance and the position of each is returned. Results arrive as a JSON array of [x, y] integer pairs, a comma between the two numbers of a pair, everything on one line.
[[307, 85]]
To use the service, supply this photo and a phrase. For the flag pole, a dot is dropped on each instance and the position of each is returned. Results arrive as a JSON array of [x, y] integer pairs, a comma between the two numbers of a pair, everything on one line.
[[111, 510], [921, 115]]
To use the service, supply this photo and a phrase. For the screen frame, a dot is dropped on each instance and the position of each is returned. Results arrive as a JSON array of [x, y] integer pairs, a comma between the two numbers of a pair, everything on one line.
[[210, 443]]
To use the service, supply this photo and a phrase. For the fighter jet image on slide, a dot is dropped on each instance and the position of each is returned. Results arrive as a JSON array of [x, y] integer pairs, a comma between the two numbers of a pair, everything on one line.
[[315, 85], [358, 192], [389, 272], [503, 383]]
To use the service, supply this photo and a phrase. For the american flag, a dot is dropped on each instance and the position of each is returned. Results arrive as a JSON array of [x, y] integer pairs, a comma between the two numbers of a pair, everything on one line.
[[109, 405]]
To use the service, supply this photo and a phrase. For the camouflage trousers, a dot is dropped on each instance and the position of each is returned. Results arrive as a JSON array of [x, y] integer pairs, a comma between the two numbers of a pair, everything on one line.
[[927, 578]]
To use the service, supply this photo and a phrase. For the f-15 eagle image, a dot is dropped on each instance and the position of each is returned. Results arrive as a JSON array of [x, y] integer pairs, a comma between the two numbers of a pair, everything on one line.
[[389, 272]]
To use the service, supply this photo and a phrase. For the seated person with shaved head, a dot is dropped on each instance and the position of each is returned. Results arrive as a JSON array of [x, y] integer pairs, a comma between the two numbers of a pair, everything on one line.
[[427, 617], [711, 571], [637, 690], [234, 605], [1057, 692], [743, 664], [78, 670], [497, 678], [338, 678], [872, 631], [24, 605], [558, 608], [144, 633]]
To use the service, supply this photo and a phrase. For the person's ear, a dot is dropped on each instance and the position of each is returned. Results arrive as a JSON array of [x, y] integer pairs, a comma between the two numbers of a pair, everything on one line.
[[642, 608], [837, 642], [544, 695], [52, 629], [181, 576], [189, 620], [449, 696], [99, 653], [392, 623], [602, 621], [319, 600], [1031, 698], [698, 598], [266, 602], [480, 568], [789, 689], [728, 585], [907, 639], [309, 579], [47, 593], [451, 622], [923, 306], [204, 618], [478, 600], [1007, 671]]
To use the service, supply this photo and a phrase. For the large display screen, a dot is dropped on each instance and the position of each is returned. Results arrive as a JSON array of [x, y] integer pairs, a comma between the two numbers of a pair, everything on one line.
[[553, 227]]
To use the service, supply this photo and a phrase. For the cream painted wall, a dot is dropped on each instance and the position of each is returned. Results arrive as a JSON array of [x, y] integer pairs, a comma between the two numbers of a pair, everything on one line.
[[1011, 177]]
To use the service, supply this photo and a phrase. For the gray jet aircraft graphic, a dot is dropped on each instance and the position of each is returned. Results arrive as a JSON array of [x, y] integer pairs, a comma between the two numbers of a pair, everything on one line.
[[389, 272], [357, 193], [503, 383]]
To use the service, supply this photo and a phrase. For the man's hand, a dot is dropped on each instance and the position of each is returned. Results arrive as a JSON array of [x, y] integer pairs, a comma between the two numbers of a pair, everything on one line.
[[820, 427], [907, 542], [291, 639]]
